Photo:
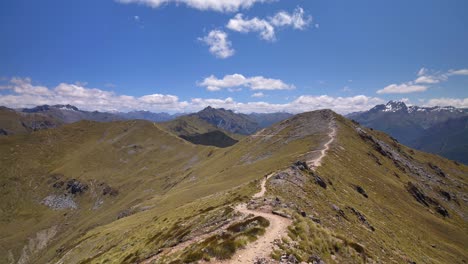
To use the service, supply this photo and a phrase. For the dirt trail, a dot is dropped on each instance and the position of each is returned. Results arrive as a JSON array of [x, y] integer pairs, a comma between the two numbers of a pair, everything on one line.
[[314, 163], [263, 246]]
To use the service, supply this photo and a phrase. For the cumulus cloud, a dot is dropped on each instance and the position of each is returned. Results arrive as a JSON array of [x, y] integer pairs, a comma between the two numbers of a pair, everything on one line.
[[455, 102], [263, 27], [214, 5], [212, 83], [303, 103], [23, 93], [402, 88], [219, 44], [266, 27], [425, 78]]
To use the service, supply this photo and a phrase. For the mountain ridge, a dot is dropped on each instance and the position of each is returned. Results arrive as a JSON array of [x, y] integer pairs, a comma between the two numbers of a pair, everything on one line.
[[149, 191], [409, 124]]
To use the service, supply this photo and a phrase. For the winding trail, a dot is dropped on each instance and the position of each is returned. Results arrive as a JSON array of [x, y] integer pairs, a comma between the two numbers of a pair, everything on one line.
[[263, 246], [313, 164]]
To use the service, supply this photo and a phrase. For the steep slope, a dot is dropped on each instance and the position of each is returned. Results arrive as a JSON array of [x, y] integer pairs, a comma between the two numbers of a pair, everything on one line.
[[409, 125], [58, 183], [368, 198], [228, 120], [12, 122], [448, 139]]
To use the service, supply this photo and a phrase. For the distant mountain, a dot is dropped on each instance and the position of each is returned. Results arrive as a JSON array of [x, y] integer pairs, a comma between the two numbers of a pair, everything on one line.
[[448, 139], [13, 122], [70, 114], [150, 116], [265, 120], [239, 123], [228, 120], [412, 125]]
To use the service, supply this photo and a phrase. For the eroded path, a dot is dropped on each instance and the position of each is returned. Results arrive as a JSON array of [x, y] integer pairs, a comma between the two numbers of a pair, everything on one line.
[[314, 163], [263, 246]]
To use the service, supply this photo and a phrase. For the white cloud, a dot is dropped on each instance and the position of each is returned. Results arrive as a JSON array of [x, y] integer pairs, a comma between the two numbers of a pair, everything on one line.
[[263, 27], [136, 18], [403, 88], [97, 99], [266, 27], [425, 77], [427, 80], [303, 103], [212, 83], [458, 72], [258, 95], [455, 102], [220, 46], [24, 86], [422, 71], [297, 20], [214, 5], [26, 94]]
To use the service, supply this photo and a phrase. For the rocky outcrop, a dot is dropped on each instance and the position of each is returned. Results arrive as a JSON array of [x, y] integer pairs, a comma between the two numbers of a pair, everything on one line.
[[60, 202], [425, 200]]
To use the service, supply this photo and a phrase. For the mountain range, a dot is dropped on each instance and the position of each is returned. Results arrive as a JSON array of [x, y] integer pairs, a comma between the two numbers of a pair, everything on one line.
[[439, 130], [315, 187]]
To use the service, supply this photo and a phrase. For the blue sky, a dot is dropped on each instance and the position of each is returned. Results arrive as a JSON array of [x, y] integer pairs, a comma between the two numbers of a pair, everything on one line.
[[167, 55]]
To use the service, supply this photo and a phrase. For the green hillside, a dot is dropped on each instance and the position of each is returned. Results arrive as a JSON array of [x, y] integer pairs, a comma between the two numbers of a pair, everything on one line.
[[123, 192]]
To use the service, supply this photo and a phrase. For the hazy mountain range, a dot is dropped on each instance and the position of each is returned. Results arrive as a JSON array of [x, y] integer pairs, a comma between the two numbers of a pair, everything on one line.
[[439, 130]]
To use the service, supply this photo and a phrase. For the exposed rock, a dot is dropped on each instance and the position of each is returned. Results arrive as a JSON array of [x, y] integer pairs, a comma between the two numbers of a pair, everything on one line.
[[315, 219], [442, 211], [360, 190], [314, 259], [124, 213], [58, 185], [281, 214], [301, 165], [340, 213], [437, 170], [76, 187], [260, 261], [418, 194], [319, 180], [426, 200], [60, 202], [362, 218], [401, 160], [375, 158], [446, 195], [288, 259], [107, 190]]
